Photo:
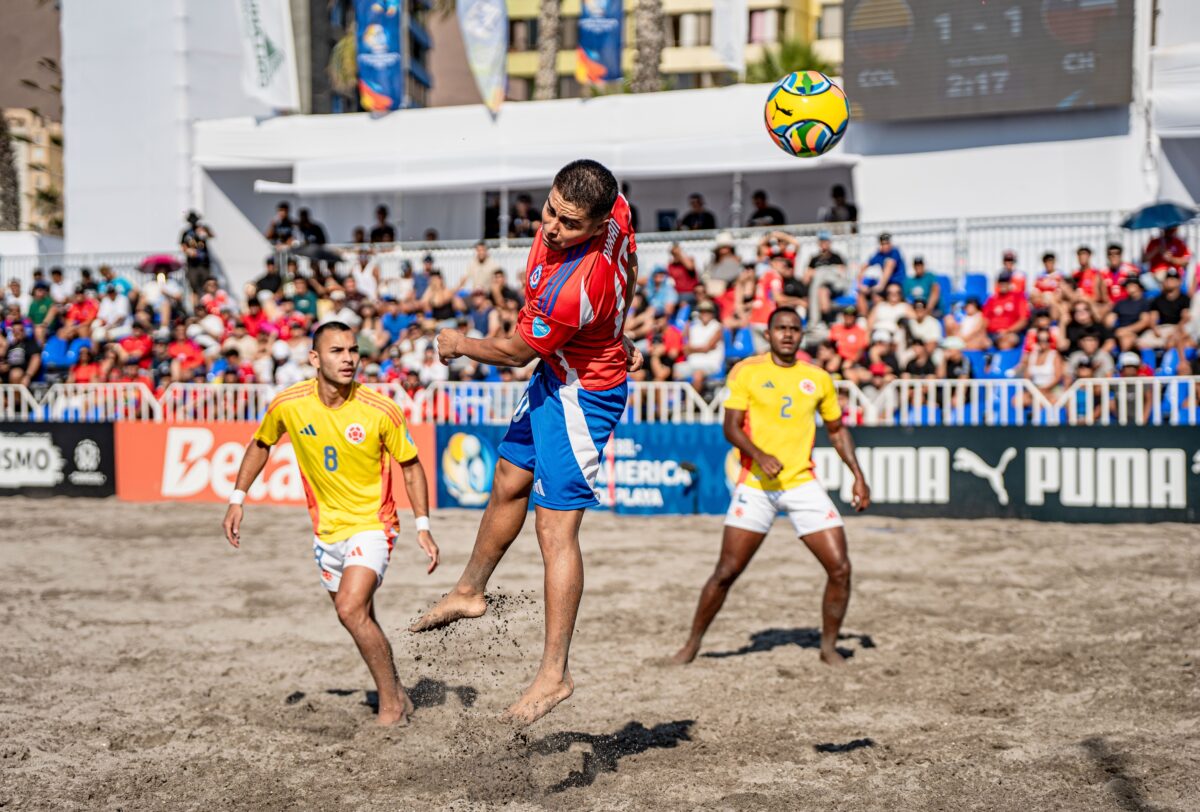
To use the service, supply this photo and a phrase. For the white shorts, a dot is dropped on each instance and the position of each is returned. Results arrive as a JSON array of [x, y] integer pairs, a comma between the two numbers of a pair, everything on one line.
[[808, 506], [371, 548]]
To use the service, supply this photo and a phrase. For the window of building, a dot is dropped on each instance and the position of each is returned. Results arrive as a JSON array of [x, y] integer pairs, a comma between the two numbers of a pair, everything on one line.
[[519, 89], [690, 30], [522, 35], [829, 25], [568, 88], [568, 33], [764, 26]]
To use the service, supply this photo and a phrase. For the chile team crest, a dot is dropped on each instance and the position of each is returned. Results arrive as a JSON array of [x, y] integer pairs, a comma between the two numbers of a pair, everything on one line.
[[535, 277]]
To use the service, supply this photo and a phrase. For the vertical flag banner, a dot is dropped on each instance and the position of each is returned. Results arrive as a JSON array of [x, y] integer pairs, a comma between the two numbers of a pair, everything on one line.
[[598, 58], [380, 75], [730, 31], [269, 53], [484, 25]]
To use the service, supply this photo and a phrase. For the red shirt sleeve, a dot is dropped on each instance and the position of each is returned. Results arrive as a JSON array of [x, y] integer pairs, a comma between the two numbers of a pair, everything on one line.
[[541, 332]]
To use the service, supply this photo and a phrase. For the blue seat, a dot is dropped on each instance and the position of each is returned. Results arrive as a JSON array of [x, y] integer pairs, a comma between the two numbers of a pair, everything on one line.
[[945, 292], [975, 286], [1005, 361], [978, 361], [683, 315], [1150, 359], [845, 300], [924, 416], [738, 345]]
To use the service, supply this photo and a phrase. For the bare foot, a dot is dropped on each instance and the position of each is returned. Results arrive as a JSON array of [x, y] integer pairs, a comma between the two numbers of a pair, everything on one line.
[[830, 656], [686, 654], [396, 716], [539, 699], [455, 606]]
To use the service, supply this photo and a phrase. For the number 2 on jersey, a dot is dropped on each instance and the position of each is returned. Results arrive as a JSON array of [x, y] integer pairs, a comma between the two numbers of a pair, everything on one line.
[[786, 409], [330, 458]]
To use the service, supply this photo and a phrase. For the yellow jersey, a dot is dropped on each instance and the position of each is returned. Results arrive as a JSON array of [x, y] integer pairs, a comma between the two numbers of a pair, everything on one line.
[[781, 404], [343, 456]]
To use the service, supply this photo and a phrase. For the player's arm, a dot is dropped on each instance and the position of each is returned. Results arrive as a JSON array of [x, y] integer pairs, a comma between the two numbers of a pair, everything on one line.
[[735, 420], [843, 443], [418, 496], [501, 351], [253, 461], [634, 360]]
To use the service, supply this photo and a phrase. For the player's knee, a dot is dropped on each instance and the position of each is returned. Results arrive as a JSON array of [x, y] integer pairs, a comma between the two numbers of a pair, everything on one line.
[[839, 572], [351, 614], [726, 573]]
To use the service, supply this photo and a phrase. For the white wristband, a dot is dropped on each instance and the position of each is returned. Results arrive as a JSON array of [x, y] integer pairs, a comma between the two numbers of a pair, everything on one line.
[[237, 497], [422, 524]]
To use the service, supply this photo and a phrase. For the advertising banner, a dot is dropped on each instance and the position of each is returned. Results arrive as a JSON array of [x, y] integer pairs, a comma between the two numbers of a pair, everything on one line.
[[158, 462], [484, 25], [598, 57], [380, 74], [57, 459], [731, 32], [1060, 474], [269, 53]]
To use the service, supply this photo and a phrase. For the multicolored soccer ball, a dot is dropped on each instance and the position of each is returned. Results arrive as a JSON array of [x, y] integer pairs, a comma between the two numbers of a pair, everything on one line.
[[806, 114]]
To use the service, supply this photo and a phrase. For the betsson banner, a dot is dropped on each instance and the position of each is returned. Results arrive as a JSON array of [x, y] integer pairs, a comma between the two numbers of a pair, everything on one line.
[[380, 78], [157, 462], [484, 25], [598, 57], [1064, 474], [269, 53]]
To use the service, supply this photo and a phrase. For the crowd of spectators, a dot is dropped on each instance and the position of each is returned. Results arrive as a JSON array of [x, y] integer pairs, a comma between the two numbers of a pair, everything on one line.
[[887, 318]]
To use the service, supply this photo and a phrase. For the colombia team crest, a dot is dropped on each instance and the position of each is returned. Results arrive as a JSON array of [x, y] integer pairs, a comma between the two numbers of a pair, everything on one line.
[[355, 433], [808, 387]]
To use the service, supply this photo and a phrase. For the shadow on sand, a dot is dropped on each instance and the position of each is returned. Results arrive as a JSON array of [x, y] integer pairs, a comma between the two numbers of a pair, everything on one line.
[[426, 693], [608, 749], [830, 747], [1127, 791], [768, 639]]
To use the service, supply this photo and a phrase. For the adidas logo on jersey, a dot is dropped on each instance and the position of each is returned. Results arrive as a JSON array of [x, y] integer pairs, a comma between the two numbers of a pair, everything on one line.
[[768, 385], [309, 430]]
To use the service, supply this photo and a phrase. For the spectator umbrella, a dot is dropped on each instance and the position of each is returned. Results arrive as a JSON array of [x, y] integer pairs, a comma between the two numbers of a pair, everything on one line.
[[1159, 215]]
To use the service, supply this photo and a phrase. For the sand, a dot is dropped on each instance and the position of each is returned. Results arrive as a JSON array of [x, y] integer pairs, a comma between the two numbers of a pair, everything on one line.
[[995, 665]]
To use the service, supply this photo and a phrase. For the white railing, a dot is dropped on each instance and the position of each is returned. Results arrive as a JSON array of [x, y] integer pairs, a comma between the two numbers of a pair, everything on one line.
[[97, 403], [1159, 401], [124, 264]]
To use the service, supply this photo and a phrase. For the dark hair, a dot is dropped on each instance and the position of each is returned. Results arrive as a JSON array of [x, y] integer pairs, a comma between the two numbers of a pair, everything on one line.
[[1048, 255], [381, 209], [283, 204], [782, 310], [1115, 246], [329, 327], [588, 184], [838, 190]]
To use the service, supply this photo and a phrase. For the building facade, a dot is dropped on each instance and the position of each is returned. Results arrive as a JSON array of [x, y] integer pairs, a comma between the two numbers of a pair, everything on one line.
[[38, 148]]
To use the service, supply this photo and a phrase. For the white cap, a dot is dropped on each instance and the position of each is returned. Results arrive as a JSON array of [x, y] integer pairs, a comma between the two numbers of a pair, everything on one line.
[[725, 239], [882, 335], [1129, 359]]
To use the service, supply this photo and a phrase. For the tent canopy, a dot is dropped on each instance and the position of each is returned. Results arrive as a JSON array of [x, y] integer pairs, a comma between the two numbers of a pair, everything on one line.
[[653, 135]]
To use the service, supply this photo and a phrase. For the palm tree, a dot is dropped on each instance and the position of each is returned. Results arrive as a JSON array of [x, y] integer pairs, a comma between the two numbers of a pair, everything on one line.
[[10, 186], [786, 57], [343, 65], [545, 83], [648, 36]]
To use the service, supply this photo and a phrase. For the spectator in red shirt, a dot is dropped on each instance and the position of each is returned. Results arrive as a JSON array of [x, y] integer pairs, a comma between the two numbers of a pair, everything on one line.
[[82, 311], [1167, 251], [848, 336], [86, 368], [1007, 314], [137, 347], [1086, 280], [255, 320], [682, 270], [1008, 262], [186, 355], [1049, 286], [1118, 271]]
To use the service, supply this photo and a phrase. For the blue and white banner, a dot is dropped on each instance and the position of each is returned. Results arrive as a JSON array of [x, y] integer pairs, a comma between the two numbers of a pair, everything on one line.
[[484, 25], [598, 57], [380, 74]]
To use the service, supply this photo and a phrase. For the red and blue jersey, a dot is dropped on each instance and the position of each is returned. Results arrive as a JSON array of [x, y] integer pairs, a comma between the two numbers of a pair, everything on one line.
[[575, 304]]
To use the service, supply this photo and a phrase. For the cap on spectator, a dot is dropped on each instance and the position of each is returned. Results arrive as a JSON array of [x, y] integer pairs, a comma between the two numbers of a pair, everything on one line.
[[706, 307], [372, 369], [280, 350], [823, 235], [1131, 280], [1004, 276], [1010, 256], [849, 310], [427, 258], [394, 351], [1084, 362], [1130, 359], [882, 335], [41, 285], [1172, 273], [918, 302], [659, 269], [953, 343], [387, 297], [337, 295], [1040, 312], [885, 236], [918, 260], [725, 240], [879, 368]]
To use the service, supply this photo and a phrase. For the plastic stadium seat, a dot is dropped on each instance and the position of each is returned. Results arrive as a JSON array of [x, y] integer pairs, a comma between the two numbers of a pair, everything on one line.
[[738, 345], [924, 416], [845, 300], [975, 285], [1005, 361], [978, 361], [682, 315], [1150, 359], [945, 292]]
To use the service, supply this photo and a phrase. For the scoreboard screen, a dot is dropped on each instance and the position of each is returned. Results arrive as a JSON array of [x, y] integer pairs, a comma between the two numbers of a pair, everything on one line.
[[911, 59]]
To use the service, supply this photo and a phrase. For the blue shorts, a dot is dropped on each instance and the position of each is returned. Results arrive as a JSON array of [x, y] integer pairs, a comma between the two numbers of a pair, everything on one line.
[[558, 432]]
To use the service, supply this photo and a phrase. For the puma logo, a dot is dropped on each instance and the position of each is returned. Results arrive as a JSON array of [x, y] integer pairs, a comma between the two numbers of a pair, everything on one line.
[[967, 460], [783, 110]]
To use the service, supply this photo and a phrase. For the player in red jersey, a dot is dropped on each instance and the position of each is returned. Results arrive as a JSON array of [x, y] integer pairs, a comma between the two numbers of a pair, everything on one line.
[[579, 283]]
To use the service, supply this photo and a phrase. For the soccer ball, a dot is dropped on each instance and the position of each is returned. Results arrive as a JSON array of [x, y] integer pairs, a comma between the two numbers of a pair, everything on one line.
[[806, 114]]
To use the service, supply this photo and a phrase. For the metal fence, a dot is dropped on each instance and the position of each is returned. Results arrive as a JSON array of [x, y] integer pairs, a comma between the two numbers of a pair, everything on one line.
[[1159, 401], [124, 264]]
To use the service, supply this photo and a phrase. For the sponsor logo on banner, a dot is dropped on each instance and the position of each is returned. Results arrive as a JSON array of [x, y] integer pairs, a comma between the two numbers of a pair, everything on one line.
[[199, 463], [29, 461], [468, 465], [1108, 477], [87, 464], [630, 479], [598, 57]]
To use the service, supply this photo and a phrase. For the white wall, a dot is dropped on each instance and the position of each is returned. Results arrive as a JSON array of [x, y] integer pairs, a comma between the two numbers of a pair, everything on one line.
[[136, 74]]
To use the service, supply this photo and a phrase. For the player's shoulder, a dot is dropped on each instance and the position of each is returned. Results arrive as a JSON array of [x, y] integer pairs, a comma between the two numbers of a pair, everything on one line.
[[380, 405], [748, 367], [291, 395], [814, 373]]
